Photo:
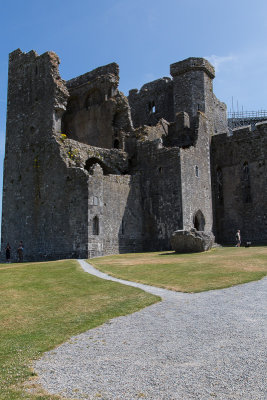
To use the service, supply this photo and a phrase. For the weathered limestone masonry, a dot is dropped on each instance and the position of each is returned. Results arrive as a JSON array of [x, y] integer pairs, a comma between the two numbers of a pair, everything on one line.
[[40, 191], [90, 172], [239, 171], [152, 102]]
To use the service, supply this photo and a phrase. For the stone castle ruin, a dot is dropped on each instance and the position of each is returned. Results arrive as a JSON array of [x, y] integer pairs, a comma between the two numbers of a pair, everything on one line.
[[90, 172]]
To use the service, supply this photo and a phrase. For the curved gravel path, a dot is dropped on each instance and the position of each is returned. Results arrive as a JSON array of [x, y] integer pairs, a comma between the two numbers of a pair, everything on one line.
[[209, 345]]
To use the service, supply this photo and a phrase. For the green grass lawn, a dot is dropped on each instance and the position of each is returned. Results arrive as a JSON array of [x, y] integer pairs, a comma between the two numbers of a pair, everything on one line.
[[195, 272], [44, 304]]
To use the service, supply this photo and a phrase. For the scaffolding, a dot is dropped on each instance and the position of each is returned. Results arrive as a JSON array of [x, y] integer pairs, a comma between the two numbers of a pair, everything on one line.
[[243, 118]]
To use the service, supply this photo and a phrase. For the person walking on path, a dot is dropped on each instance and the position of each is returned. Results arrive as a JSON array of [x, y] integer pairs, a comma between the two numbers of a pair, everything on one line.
[[20, 251], [238, 238], [8, 250]]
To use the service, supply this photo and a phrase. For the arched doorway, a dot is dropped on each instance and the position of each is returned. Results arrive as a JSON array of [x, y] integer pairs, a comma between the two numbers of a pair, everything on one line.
[[106, 169], [199, 221]]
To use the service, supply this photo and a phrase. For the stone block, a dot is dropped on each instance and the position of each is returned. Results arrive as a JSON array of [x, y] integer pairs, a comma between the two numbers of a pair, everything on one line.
[[191, 241]]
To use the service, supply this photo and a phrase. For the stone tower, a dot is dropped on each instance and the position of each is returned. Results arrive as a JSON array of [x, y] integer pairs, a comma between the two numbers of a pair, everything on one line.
[[38, 207], [192, 86], [194, 109]]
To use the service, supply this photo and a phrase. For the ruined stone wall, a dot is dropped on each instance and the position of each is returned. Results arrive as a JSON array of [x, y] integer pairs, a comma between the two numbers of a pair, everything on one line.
[[159, 169], [97, 113], [239, 171], [196, 179], [152, 102], [190, 91], [40, 193], [219, 116], [80, 181], [76, 154], [50, 198], [115, 216]]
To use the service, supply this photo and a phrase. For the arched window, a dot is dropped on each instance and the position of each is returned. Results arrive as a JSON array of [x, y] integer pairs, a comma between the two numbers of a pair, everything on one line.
[[199, 221], [73, 105], [117, 120], [96, 225], [245, 171], [94, 160], [122, 226], [246, 183], [152, 107]]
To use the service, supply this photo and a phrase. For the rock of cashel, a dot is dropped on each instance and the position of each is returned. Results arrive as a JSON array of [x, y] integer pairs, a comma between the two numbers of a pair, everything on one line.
[[90, 172]]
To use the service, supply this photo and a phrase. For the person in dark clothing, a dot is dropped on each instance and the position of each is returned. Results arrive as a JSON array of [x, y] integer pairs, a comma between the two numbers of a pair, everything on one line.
[[20, 251], [8, 250]]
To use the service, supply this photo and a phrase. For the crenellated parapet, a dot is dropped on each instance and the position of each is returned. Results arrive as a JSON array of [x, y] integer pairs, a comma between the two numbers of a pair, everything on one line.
[[35, 93], [251, 134], [192, 64]]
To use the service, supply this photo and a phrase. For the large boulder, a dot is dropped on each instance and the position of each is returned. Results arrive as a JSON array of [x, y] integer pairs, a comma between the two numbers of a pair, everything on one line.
[[191, 241]]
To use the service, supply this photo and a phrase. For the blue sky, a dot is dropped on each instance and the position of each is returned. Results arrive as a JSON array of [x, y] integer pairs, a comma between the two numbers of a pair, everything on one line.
[[144, 37]]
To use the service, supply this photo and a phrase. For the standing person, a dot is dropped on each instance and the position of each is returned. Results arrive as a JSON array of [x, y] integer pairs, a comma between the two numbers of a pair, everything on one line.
[[8, 250], [238, 238], [20, 251]]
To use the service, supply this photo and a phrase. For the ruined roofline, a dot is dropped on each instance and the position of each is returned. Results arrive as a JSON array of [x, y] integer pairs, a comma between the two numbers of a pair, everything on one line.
[[32, 54], [191, 64], [109, 69], [178, 68], [152, 85]]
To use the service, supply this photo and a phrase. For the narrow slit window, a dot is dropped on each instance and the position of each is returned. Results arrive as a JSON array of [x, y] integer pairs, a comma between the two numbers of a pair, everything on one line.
[[219, 184], [96, 225], [122, 227], [246, 183], [152, 107]]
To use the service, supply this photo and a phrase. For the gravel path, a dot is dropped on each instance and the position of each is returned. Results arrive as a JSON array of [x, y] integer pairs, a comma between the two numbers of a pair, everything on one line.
[[208, 345]]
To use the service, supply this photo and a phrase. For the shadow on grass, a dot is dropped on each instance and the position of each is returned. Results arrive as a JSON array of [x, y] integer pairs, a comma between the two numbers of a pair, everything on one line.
[[171, 253]]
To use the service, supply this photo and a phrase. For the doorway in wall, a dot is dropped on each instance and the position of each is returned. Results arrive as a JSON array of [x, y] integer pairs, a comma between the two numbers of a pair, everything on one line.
[[199, 221]]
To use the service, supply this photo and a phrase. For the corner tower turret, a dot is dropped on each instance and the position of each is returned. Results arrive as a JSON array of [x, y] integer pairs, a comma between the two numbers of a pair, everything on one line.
[[193, 94], [192, 86]]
